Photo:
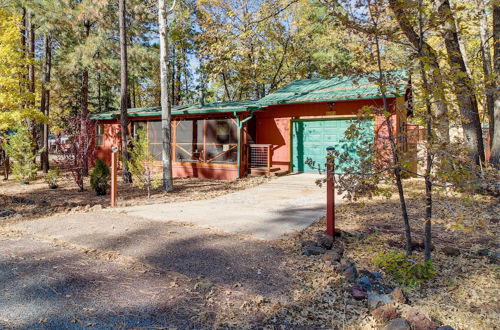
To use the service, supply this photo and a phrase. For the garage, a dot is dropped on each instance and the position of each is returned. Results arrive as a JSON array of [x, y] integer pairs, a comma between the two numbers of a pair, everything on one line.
[[311, 137]]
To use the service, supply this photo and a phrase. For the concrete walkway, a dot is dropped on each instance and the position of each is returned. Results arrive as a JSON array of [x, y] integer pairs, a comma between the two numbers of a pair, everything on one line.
[[269, 211]]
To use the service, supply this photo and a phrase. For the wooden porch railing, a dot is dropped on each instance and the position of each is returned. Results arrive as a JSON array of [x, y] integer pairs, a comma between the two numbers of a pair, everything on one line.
[[259, 157]]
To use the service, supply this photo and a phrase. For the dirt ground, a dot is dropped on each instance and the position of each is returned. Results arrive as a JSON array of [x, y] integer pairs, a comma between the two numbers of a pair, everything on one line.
[[195, 278]]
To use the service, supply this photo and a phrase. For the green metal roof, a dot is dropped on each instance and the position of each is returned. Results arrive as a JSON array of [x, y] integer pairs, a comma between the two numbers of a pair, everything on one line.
[[219, 107], [337, 89], [344, 88]]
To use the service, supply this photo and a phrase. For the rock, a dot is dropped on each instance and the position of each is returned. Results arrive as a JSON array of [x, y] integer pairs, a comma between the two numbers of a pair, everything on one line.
[[350, 273], [419, 321], [313, 250], [493, 257], [96, 207], [365, 283], [375, 300], [397, 324], [307, 242], [358, 293], [397, 295], [451, 251], [385, 313], [326, 241], [6, 213], [445, 327], [331, 256]]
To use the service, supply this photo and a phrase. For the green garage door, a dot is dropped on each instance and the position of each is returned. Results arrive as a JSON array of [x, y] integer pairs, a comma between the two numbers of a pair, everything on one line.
[[310, 138]]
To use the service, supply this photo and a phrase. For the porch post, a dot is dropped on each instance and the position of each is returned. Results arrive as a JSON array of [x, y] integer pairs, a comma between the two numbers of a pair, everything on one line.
[[330, 193]]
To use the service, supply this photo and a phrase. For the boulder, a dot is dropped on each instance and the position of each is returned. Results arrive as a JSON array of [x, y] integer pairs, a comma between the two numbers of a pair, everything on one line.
[[6, 213], [358, 293], [375, 300], [397, 295], [419, 321], [326, 241], [451, 251], [385, 313], [365, 283], [397, 324]]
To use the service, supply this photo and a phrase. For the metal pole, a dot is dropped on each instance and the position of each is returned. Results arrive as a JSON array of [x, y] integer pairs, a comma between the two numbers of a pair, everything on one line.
[[330, 193], [114, 176]]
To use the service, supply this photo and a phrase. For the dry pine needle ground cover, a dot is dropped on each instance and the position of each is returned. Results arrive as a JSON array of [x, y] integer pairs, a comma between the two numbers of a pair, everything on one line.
[[36, 199], [463, 294]]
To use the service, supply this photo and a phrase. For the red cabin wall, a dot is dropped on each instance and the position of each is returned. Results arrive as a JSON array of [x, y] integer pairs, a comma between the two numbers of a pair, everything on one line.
[[274, 123], [111, 138]]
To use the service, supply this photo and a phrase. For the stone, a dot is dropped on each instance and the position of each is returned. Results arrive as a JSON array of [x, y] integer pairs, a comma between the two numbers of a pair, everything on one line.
[[385, 313], [6, 213], [397, 295], [451, 251], [358, 293], [397, 324], [331, 256], [313, 250], [365, 283], [307, 242], [350, 273], [445, 327], [96, 207], [326, 241], [419, 321], [375, 300]]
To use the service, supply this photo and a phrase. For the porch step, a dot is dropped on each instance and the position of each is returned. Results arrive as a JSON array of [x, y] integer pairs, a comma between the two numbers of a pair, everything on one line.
[[263, 171], [280, 173]]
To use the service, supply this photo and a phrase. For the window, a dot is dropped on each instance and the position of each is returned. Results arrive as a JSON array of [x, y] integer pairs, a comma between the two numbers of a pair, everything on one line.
[[99, 133], [206, 140]]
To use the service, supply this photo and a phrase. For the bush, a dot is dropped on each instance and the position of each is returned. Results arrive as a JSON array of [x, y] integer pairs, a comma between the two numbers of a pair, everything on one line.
[[405, 271], [52, 177], [99, 178], [19, 147], [141, 164]]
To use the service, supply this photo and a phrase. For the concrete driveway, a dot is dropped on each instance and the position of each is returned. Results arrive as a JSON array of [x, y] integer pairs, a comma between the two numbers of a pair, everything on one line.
[[270, 211]]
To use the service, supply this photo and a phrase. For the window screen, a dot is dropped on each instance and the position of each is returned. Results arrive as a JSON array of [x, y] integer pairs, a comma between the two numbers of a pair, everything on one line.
[[206, 140], [99, 133]]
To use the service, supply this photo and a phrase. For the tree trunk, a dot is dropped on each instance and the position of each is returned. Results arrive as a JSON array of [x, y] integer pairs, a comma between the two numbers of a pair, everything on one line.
[[45, 100], [429, 58], [123, 91], [462, 84], [30, 51], [165, 102], [495, 148], [84, 103], [489, 82], [395, 152]]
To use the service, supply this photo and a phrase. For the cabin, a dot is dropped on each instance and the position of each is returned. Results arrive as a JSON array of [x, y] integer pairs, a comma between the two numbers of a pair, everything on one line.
[[273, 135]]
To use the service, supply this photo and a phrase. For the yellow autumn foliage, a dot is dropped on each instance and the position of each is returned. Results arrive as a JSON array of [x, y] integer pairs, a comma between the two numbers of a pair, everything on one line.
[[14, 98]]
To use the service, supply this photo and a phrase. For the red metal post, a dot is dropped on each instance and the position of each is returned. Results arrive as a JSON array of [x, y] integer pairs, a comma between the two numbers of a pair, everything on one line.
[[114, 176], [330, 197]]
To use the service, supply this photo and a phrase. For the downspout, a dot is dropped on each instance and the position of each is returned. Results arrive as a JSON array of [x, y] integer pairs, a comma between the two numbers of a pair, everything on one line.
[[240, 123]]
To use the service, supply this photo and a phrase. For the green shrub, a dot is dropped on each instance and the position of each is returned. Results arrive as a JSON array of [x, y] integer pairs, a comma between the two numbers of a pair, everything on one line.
[[19, 147], [99, 178], [141, 164], [404, 270], [52, 177]]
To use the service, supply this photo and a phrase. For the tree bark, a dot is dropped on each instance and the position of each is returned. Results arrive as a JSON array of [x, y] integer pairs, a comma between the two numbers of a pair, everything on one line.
[[489, 82], [462, 84], [429, 58], [84, 102], [495, 148], [45, 100], [124, 91], [30, 51], [165, 101]]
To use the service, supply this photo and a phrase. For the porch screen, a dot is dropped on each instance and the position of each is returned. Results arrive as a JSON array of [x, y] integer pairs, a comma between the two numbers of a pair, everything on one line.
[[206, 140]]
